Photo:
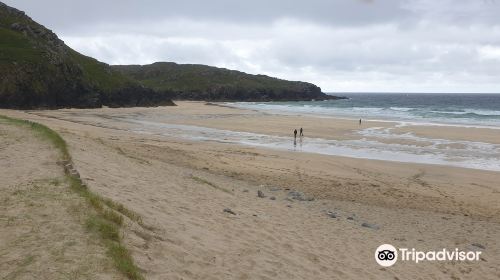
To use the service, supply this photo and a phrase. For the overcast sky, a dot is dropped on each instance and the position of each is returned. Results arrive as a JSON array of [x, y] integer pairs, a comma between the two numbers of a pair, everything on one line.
[[340, 45]]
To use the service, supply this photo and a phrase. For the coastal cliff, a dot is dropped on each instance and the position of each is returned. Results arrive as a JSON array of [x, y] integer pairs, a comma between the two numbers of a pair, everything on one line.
[[38, 70]]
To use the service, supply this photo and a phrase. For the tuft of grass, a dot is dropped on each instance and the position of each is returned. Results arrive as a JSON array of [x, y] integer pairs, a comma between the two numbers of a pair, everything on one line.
[[123, 261], [112, 216], [93, 199], [123, 210], [56, 182], [106, 229]]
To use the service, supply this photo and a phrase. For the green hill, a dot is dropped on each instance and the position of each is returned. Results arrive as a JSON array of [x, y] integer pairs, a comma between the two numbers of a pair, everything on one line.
[[201, 82], [38, 70]]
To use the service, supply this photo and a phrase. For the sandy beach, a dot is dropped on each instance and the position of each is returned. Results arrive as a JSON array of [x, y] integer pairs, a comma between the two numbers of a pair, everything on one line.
[[322, 215]]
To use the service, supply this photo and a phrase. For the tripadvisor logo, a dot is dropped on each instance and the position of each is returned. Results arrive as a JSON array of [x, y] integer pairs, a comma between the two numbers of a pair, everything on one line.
[[388, 255]]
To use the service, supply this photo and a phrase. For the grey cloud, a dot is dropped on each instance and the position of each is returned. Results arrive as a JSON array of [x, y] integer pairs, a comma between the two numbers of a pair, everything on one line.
[[64, 15], [344, 45]]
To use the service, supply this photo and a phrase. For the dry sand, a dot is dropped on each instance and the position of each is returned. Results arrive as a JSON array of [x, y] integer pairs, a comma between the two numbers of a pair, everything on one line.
[[181, 188], [42, 233]]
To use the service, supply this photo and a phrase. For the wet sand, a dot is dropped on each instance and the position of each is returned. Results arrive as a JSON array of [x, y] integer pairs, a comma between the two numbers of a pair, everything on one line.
[[180, 187]]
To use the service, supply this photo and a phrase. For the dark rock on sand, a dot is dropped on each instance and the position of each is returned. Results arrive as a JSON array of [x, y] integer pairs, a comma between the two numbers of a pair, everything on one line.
[[478, 245], [332, 214], [372, 226], [260, 194], [299, 196], [227, 210]]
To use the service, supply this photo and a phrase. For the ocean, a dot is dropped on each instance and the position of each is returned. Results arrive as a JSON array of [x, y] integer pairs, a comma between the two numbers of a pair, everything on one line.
[[458, 109]]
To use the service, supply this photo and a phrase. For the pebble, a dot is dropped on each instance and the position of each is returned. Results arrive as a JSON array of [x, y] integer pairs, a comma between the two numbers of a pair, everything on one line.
[[372, 226], [227, 210], [272, 198], [478, 245], [260, 194], [299, 196], [331, 214]]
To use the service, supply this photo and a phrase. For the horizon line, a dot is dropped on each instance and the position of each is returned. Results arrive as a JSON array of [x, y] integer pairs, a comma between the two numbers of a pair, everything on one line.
[[397, 92]]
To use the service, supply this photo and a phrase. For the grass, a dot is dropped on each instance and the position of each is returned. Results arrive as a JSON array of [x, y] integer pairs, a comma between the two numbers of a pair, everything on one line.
[[22, 266], [99, 73], [123, 210], [15, 46], [192, 77], [102, 218], [123, 261], [107, 230], [112, 216]]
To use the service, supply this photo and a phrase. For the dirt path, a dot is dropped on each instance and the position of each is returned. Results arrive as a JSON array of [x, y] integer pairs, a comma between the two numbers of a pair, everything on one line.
[[42, 232]]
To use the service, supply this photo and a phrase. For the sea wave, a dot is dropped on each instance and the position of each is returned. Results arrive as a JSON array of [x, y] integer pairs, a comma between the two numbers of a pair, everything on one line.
[[403, 109], [470, 113], [457, 116]]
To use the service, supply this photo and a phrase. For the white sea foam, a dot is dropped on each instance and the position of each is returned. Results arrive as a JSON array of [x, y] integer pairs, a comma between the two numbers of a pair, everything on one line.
[[409, 116]]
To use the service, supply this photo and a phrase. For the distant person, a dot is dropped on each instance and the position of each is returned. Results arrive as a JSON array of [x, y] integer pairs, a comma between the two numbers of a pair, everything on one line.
[[301, 132], [295, 134], [359, 121]]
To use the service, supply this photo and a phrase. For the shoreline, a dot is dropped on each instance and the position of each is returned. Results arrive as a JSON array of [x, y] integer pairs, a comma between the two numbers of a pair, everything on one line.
[[372, 140], [310, 145], [332, 115]]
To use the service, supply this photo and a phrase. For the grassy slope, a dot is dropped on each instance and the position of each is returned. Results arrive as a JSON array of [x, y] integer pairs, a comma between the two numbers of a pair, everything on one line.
[[38, 70], [172, 76], [202, 82], [100, 74], [15, 47]]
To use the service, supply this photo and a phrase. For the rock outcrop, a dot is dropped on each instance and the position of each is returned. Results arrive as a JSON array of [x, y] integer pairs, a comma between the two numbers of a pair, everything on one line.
[[38, 70]]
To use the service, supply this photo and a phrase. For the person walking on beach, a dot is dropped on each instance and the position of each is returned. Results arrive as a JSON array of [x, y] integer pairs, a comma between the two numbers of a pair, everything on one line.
[[359, 121], [301, 132], [295, 134]]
